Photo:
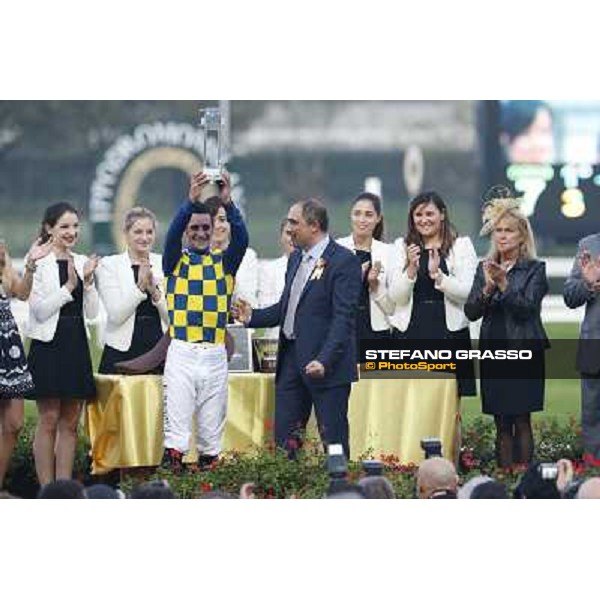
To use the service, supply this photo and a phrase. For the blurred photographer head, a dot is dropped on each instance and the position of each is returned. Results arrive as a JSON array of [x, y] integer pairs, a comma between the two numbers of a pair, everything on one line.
[[153, 490], [437, 478], [101, 491], [490, 490], [589, 489], [346, 491], [62, 489], [376, 487], [466, 491]]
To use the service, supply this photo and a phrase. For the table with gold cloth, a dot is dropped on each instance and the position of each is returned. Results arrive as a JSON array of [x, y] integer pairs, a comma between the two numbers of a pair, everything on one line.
[[387, 416]]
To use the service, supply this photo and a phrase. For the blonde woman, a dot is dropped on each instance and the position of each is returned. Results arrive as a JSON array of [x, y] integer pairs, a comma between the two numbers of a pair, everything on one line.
[[15, 378], [130, 287], [507, 292], [59, 358]]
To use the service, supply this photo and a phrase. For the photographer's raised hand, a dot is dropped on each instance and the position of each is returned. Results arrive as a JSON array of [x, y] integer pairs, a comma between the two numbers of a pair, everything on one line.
[[565, 475]]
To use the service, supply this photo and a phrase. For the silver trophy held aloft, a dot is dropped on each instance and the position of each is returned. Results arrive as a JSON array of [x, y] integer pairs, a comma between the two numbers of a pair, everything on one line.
[[212, 123]]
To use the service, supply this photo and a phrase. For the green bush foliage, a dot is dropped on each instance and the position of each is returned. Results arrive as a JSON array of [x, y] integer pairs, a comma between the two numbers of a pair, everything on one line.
[[274, 476]]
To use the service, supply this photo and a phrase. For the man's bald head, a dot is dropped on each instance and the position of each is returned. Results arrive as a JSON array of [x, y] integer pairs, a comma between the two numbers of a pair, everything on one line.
[[590, 489], [436, 473]]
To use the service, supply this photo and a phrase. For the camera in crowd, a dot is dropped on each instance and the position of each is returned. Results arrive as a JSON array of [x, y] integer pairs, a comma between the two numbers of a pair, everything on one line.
[[548, 470], [431, 447], [337, 468]]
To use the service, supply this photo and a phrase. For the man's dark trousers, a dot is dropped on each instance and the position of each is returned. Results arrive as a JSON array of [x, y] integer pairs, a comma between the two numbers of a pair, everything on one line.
[[295, 397]]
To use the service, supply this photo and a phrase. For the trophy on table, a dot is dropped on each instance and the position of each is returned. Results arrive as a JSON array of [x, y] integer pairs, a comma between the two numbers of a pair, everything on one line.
[[213, 124]]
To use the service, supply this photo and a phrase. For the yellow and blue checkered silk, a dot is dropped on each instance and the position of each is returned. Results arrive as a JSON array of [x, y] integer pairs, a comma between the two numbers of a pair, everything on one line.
[[198, 298]]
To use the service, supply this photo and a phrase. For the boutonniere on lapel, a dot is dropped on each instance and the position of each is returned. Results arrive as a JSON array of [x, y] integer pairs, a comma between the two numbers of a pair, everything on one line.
[[318, 270]]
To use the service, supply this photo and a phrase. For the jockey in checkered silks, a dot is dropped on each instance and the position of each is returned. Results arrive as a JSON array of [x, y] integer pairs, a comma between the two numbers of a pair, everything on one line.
[[200, 283]]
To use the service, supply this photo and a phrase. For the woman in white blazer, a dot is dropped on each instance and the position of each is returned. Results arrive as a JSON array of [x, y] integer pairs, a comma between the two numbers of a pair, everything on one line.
[[59, 357], [377, 260], [433, 280], [131, 289]]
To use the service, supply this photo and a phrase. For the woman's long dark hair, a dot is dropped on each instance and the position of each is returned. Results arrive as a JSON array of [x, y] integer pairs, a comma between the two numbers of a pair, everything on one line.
[[375, 200], [448, 231], [53, 213]]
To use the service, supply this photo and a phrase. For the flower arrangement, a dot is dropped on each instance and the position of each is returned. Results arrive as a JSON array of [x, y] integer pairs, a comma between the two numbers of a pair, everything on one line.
[[275, 476]]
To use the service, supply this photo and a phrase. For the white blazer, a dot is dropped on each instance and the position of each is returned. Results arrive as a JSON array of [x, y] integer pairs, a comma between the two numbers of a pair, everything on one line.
[[246, 279], [271, 281], [381, 307], [48, 297], [121, 296], [461, 263]]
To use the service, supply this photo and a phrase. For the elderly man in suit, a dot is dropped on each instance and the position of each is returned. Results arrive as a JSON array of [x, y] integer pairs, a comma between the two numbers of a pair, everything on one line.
[[583, 287], [316, 361]]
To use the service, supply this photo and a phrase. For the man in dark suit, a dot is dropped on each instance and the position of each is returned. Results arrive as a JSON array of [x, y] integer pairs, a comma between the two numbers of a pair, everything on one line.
[[583, 287], [316, 361]]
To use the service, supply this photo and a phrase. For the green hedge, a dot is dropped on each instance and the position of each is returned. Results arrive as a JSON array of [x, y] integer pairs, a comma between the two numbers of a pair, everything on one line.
[[277, 477]]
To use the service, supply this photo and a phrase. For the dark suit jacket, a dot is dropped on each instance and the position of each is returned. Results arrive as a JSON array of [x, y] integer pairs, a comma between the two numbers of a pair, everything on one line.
[[522, 303], [325, 321], [577, 293]]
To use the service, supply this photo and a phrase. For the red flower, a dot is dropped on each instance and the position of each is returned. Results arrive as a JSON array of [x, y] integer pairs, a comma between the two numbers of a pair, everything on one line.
[[268, 425], [205, 486], [591, 460]]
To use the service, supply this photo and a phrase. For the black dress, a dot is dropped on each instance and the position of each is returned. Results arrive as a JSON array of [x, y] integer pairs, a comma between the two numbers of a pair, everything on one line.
[[428, 322], [364, 330], [504, 325], [147, 331], [15, 378], [62, 367]]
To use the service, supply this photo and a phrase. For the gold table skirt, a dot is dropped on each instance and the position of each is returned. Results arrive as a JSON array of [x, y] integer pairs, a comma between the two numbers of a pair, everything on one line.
[[386, 416]]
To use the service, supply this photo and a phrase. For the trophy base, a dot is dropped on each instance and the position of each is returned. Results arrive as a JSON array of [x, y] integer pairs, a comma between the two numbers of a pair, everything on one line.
[[266, 349], [214, 174]]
